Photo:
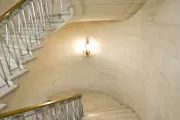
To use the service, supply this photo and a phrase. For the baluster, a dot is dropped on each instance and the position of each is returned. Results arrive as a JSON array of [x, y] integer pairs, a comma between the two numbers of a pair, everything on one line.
[[34, 13], [81, 107], [51, 115], [42, 12], [76, 109], [32, 25], [17, 40], [67, 2], [40, 15], [65, 107], [25, 39], [72, 113], [55, 112], [31, 21], [8, 35], [42, 115], [28, 33], [52, 8], [61, 112], [19, 24], [69, 111], [61, 5], [3, 74], [36, 116], [5, 57], [46, 9]]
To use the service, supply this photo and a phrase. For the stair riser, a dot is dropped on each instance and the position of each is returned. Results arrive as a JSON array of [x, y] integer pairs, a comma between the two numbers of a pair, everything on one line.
[[110, 113]]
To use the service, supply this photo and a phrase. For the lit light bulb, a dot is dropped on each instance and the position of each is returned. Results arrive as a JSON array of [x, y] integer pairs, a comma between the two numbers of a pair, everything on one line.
[[80, 45], [87, 47]]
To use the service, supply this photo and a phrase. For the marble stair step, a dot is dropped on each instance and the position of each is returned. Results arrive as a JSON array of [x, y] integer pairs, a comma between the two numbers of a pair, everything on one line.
[[108, 109], [111, 116], [119, 111]]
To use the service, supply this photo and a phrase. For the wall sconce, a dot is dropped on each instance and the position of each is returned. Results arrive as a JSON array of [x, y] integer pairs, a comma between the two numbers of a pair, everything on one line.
[[87, 48]]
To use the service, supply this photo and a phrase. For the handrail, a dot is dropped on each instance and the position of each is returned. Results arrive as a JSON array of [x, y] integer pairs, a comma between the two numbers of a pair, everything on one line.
[[11, 10], [9, 14], [10, 113]]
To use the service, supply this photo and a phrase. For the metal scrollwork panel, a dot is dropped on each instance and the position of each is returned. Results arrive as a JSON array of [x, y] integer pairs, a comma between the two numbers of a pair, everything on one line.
[[65, 110]]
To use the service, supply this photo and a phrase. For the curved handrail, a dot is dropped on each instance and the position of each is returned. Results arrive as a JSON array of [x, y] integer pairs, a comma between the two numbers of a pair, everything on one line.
[[11, 9], [10, 113]]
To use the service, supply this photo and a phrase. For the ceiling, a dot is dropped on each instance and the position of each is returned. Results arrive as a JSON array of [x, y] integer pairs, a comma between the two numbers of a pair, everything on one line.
[[94, 10]]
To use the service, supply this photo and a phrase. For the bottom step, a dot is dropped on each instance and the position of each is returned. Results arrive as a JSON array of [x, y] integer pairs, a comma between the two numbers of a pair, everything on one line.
[[2, 106], [28, 59], [5, 90], [36, 47], [17, 74]]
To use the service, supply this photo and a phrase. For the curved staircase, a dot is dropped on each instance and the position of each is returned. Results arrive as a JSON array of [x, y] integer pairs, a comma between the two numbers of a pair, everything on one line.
[[23, 28], [99, 106], [88, 105], [22, 31]]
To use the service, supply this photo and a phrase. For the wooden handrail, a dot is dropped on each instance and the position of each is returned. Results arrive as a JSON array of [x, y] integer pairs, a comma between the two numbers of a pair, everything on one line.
[[11, 9], [10, 113]]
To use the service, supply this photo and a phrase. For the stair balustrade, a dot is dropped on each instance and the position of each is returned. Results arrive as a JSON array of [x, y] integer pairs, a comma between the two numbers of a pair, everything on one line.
[[21, 30], [67, 109]]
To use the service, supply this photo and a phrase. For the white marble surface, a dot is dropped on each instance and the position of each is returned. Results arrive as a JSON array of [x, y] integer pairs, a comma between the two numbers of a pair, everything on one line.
[[92, 100]]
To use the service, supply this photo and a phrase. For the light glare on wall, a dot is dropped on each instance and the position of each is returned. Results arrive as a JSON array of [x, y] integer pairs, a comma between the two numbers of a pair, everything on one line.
[[87, 47], [80, 43]]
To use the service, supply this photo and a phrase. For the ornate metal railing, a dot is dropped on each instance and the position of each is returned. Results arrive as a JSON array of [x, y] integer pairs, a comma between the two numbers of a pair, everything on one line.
[[66, 109], [21, 28]]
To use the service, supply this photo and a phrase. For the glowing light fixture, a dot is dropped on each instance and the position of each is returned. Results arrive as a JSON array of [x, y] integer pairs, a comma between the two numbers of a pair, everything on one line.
[[87, 48]]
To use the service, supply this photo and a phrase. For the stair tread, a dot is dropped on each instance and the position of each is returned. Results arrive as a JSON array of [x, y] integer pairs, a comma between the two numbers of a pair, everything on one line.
[[61, 13], [5, 90], [108, 109], [118, 111], [113, 115], [117, 119], [64, 12], [18, 36], [56, 20]]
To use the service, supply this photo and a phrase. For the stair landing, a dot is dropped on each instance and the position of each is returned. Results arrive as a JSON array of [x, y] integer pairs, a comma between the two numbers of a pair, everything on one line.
[[92, 100], [99, 106]]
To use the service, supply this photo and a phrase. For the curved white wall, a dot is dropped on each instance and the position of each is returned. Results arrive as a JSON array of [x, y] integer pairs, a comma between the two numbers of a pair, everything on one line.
[[101, 10], [139, 62]]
